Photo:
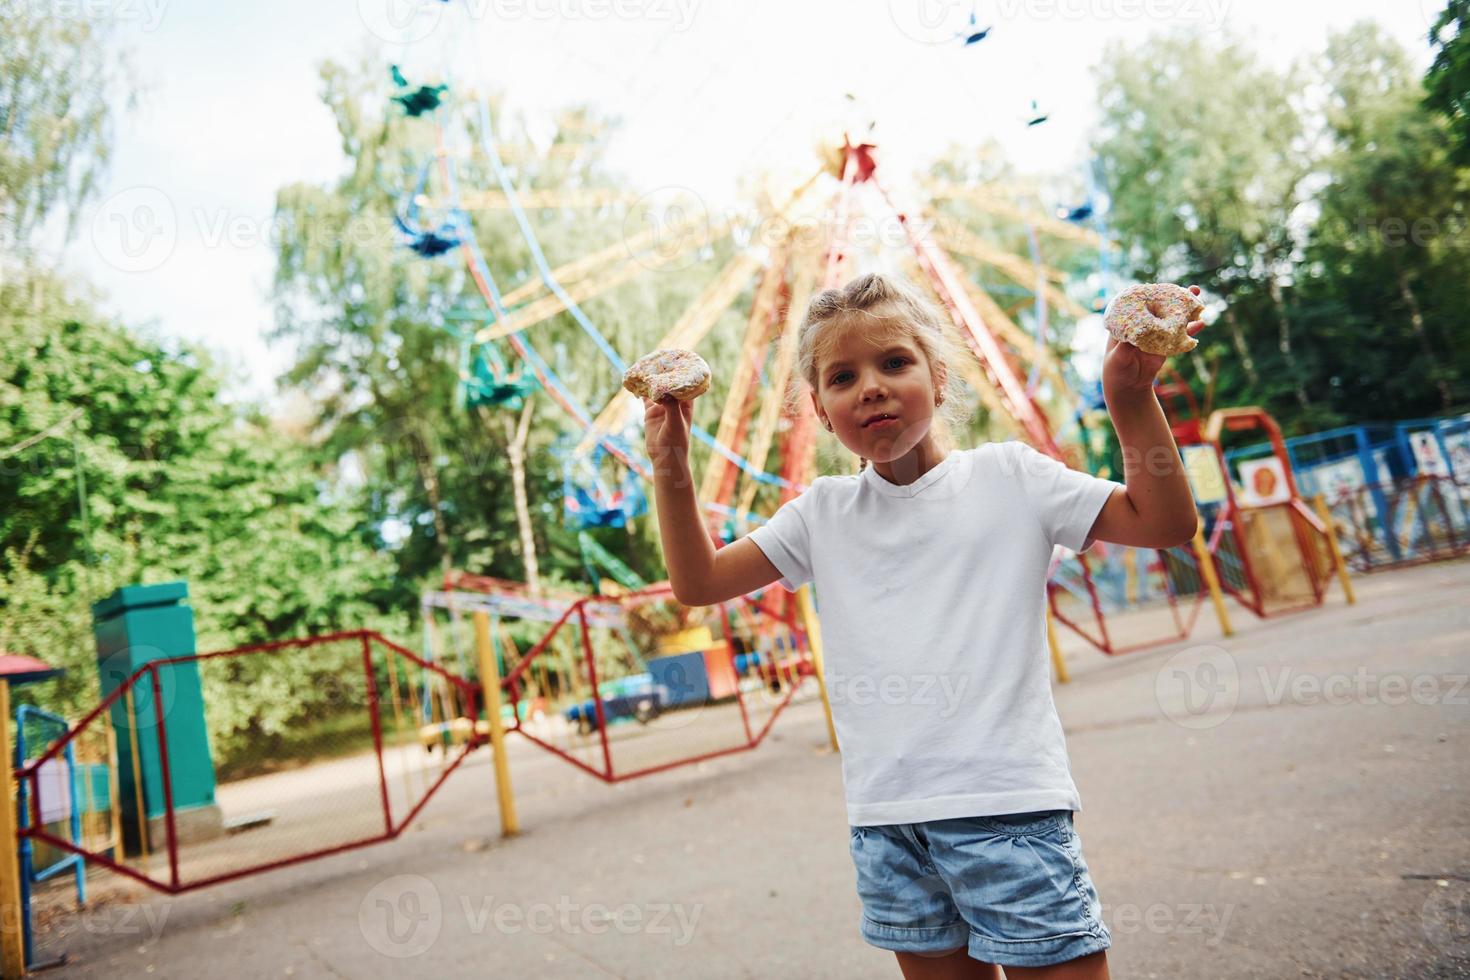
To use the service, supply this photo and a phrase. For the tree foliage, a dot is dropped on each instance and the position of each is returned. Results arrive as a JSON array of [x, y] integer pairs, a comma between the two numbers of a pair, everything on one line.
[[1448, 81], [375, 327], [56, 79], [1291, 196], [177, 485]]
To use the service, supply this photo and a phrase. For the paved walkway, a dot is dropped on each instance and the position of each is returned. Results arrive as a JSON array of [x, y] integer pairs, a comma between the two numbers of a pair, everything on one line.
[[1291, 802]]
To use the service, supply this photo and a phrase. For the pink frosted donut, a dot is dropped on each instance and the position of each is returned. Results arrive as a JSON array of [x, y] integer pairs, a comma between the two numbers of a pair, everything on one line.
[[1153, 317], [672, 371]]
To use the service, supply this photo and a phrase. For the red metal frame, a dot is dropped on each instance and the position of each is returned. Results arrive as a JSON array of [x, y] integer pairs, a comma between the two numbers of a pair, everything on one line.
[[1361, 556], [174, 885], [1104, 643], [512, 684]]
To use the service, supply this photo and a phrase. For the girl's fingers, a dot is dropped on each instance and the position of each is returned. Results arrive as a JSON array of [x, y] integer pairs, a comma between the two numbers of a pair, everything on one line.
[[1195, 327], [1194, 289]]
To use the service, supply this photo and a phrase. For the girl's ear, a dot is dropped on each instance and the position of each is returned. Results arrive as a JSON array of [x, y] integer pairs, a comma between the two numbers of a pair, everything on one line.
[[817, 407], [941, 377]]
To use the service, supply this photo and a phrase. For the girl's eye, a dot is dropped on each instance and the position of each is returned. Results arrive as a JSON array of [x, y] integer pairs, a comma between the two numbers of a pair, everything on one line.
[[841, 376]]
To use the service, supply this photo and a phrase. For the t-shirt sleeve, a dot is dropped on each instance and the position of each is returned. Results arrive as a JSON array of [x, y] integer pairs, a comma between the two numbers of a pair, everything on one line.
[[1066, 501], [785, 539]]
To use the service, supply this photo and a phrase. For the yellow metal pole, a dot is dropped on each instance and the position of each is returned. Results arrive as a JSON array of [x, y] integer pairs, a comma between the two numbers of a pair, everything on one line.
[[1056, 650], [490, 679], [1320, 503], [814, 637], [114, 763], [12, 940], [1207, 569]]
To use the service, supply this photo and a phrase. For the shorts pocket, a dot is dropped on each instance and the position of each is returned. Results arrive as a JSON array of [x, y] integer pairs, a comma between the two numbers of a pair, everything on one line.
[[1023, 824]]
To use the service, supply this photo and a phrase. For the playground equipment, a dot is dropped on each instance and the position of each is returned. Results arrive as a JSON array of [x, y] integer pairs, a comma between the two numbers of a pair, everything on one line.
[[81, 798], [181, 823], [1398, 493], [643, 654], [1273, 552]]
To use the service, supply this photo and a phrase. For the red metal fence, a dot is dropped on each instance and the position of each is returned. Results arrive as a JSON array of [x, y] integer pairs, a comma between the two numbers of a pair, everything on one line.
[[723, 698], [1421, 519], [360, 707]]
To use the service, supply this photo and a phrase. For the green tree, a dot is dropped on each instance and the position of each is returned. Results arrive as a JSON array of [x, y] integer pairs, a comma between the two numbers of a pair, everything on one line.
[[56, 79], [374, 328], [1387, 263], [176, 484], [1448, 81], [1204, 159]]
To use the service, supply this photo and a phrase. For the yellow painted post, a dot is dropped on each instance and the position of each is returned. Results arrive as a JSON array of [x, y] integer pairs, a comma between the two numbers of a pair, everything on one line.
[[1207, 569], [490, 680], [814, 636], [1320, 503], [1056, 651], [12, 940]]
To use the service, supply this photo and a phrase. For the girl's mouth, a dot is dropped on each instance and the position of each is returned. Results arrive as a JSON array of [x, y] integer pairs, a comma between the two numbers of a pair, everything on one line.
[[881, 423]]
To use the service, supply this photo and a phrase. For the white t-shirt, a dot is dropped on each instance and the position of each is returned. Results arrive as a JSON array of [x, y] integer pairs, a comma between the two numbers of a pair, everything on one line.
[[932, 607]]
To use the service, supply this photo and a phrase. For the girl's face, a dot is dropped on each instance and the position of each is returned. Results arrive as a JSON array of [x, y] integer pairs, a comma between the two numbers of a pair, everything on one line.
[[859, 379]]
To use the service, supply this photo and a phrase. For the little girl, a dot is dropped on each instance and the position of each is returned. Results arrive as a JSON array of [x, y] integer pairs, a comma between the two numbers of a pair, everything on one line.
[[930, 567]]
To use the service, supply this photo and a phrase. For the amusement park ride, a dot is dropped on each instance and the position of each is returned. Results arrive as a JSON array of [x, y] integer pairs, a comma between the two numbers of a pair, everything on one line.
[[762, 452]]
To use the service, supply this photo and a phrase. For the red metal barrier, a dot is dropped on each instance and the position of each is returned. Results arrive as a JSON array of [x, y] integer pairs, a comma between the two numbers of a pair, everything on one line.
[[311, 809], [786, 674], [1426, 518]]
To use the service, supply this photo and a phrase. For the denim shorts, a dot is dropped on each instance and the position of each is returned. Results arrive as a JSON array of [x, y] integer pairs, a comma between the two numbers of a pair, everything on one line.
[[1014, 888]]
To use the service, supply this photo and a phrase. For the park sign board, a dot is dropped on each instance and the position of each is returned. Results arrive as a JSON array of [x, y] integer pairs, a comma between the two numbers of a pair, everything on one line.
[[1202, 467]]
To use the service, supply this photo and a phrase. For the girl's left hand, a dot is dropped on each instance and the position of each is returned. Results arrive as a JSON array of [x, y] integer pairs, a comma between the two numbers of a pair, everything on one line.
[[1126, 369]]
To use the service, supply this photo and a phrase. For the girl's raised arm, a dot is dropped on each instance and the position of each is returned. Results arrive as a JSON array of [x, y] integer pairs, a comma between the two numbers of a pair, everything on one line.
[[699, 575]]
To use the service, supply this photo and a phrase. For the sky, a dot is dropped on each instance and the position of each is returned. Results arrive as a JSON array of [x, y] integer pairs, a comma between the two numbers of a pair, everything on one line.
[[178, 240]]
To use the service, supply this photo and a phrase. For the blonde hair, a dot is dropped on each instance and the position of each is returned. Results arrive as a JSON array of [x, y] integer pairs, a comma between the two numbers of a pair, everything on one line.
[[880, 307]]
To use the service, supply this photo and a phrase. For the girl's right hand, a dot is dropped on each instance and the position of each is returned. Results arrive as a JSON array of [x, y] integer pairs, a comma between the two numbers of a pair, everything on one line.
[[666, 426]]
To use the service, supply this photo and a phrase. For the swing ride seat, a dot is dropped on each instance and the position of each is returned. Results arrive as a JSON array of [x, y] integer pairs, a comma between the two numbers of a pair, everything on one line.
[[491, 384]]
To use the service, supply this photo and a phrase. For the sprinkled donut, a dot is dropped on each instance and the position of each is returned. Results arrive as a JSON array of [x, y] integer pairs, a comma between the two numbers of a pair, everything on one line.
[[680, 373], [1153, 317]]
